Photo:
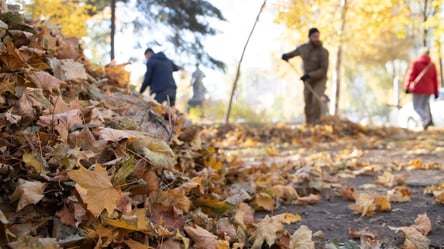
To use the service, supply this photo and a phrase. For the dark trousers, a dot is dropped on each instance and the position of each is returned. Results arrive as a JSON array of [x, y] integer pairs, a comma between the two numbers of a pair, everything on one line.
[[164, 95]]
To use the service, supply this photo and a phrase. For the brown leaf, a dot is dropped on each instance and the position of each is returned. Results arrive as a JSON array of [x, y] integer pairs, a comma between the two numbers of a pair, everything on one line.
[[132, 244], [224, 227], [95, 189], [244, 215], [86, 140], [391, 180], [28, 192], [45, 81], [67, 216], [32, 102], [28, 242], [357, 234], [156, 151], [423, 224], [348, 193], [266, 231], [302, 239], [62, 122], [171, 243], [413, 238], [12, 60], [308, 200], [204, 239]]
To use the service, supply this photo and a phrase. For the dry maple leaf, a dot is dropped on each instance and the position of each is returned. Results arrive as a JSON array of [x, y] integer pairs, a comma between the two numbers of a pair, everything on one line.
[[204, 239], [390, 180], [244, 215], [382, 203], [86, 140], [302, 239], [62, 122], [95, 189], [413, 238], [32, 102], [265, 201], [308, 200], [287, 192], [266, 231], [132, 244], [28, 192], [13, 59], [28, 242], [365, 205], [45, 81], [348, 193], [423, 224], [399, 194], [287, 218]]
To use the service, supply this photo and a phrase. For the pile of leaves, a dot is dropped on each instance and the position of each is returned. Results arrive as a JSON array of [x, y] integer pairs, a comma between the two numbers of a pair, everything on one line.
[[86, 163]]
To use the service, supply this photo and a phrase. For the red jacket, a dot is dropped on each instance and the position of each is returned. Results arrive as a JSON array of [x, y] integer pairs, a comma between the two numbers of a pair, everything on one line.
[[428, 84]]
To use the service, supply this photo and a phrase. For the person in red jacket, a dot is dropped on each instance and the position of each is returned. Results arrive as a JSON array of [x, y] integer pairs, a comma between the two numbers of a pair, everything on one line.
[[422, 82]]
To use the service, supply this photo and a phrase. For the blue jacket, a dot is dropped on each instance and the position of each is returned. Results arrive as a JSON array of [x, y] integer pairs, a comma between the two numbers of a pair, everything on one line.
[[159, 74]]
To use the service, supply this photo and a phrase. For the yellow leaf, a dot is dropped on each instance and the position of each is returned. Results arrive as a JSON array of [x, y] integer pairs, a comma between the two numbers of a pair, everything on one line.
[[35, 161], [185, 240], [382, 203], [302, 239], [137, 222], [95, 189], [265, 201], [399, 194], [287, 192], [272, 151], [28, 192], [365, 205], [287, 218]]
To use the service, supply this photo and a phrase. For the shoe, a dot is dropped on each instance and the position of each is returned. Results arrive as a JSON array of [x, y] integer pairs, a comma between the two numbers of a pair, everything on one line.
[[430, 123]]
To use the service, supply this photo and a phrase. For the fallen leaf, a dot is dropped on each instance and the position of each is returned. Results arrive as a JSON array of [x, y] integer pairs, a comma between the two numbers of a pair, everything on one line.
[[413, 238], [348, 193], [382, 203], [272, 151], [223, 226], [265, 201], [95, 189], [244, 215], [266, 231], [45, 81], [287, 192], [132, 244], [204, 239], [390, 180], [156, 151], [62, 122], [365, 205], [28, 192], [302, 239], [85, 140], [28, 242], [171, 243], [423, 224], [287, 218], [357, 234], [36, 161], [12, 60], [308, 200], [32, 102], [67, 216], [399, 194]]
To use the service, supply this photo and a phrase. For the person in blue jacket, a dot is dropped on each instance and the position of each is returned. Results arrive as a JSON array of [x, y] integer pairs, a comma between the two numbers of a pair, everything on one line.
[[159, 77]]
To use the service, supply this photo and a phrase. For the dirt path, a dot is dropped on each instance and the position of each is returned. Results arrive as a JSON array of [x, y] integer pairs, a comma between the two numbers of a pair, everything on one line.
[[331, 215]]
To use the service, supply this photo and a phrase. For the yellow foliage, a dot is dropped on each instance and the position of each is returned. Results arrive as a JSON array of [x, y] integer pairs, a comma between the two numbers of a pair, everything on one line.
[[71, 16]]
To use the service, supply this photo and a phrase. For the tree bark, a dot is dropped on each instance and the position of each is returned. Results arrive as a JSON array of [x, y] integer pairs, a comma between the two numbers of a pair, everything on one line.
[[113, 28], [339, 57]]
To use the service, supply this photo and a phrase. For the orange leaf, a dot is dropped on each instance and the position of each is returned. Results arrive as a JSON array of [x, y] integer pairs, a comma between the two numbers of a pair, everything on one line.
[[95, 189]]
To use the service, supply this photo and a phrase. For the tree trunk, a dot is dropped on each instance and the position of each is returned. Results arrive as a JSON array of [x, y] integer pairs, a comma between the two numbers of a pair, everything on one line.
[[440, 64], [425, 30], [339, 57], [113, 28]]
